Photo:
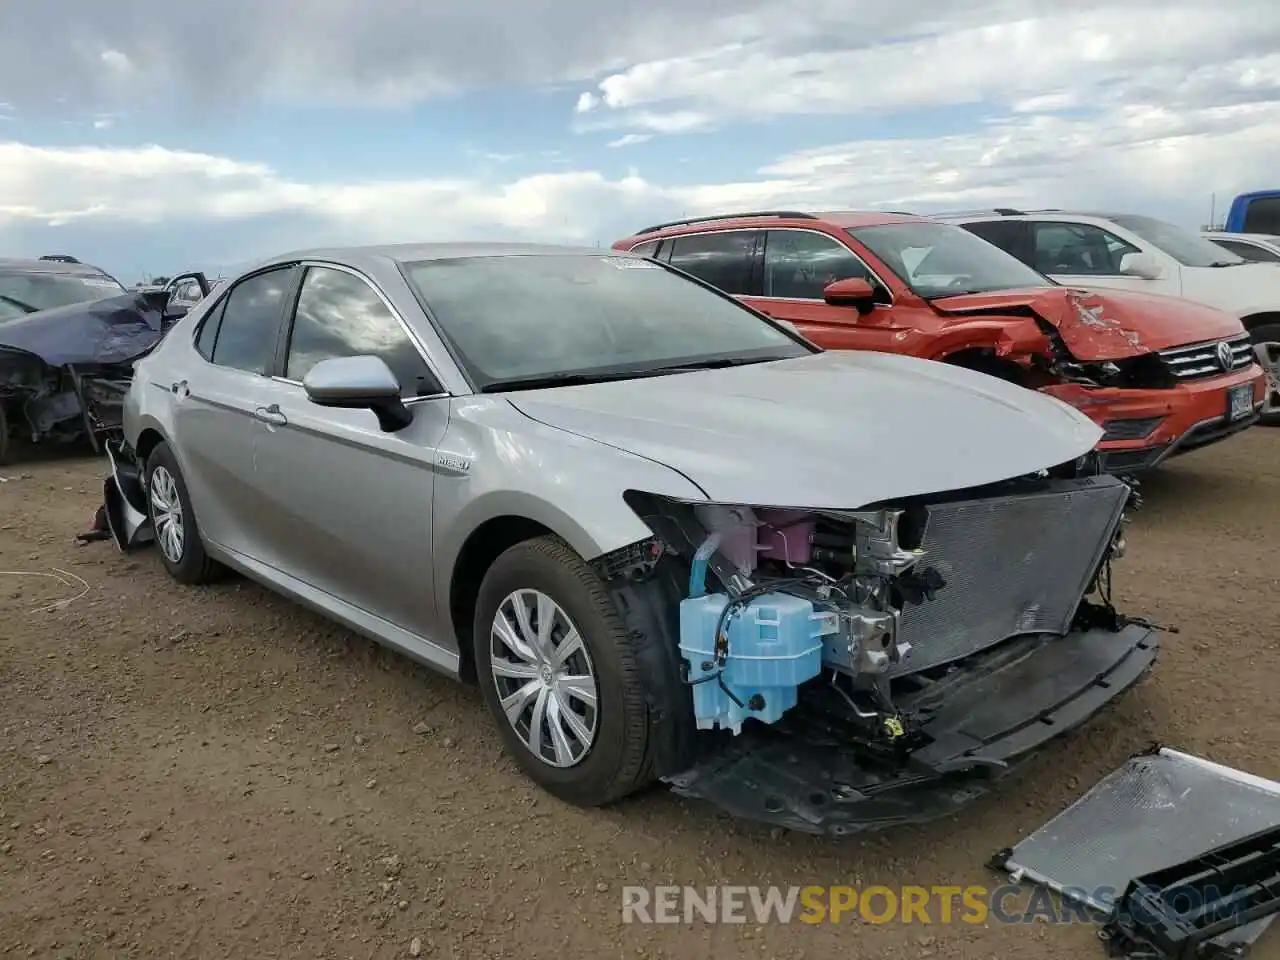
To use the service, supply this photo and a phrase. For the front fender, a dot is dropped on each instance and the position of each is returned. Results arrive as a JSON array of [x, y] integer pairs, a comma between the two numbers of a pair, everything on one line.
[[495, 462]]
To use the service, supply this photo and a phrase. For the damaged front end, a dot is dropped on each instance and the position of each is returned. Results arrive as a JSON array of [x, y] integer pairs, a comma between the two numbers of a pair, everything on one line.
[[64, 372], [848, 670]]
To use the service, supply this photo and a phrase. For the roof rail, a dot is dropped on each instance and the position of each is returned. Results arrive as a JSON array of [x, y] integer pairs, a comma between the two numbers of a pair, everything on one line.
[[789, 214], [60, 258], [1001, 211]]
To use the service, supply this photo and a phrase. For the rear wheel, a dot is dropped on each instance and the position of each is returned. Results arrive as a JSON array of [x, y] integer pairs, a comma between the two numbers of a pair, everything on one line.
[[1266, 346], [559, 673], [173, 523]]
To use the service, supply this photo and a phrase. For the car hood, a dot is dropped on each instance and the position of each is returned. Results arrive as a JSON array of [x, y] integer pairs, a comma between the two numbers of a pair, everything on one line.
[[113, 330], [1106, 326], [836, 430]]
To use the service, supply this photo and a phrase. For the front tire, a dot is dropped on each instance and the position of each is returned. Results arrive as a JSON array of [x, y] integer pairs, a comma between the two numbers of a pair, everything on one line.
[[1266, 346], [173, 523], [558, 671]]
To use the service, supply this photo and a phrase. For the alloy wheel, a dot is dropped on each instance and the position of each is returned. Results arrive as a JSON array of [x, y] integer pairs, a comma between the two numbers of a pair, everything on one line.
[[544, 677], [1269, 358], [166, 514]]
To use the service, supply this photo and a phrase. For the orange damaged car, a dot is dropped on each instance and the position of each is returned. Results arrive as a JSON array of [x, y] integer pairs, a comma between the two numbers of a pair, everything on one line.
[[1160, 375]]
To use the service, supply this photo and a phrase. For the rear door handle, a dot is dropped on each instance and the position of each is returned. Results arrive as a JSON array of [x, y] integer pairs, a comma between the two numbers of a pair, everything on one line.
[[179, 388], [271, 415]]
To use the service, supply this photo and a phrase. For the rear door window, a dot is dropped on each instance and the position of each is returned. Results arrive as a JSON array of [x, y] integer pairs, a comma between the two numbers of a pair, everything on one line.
[[246, 337], [1011, 236], [1262, 215], [1249, 251], [721, 259]]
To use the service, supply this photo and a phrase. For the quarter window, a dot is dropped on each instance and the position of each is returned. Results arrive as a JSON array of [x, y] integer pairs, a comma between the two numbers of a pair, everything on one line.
[[799, 264], [647, 249], [1078, 249], [1248, 251], [720, 259], [340, 315], [246, 337], [209, 330]]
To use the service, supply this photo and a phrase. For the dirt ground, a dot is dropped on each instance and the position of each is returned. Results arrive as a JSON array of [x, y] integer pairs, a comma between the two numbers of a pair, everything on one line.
[[215, 772]]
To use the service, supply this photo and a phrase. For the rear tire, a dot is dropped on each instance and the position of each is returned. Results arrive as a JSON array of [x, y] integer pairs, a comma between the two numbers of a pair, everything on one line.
[[173, 522], [1266, 345], [602, 752]]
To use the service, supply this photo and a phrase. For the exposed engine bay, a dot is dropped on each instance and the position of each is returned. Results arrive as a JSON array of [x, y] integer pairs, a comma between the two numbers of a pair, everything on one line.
[[855, 632]]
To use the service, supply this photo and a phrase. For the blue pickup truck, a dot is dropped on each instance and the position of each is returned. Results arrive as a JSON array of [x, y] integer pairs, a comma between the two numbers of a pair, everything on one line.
[[1256, 212]]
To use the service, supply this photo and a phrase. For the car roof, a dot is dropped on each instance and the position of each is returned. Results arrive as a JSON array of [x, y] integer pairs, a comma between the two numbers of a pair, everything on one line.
[[848, 219], [31, 265], [415, 252], [1227, 235], [1009, 213]]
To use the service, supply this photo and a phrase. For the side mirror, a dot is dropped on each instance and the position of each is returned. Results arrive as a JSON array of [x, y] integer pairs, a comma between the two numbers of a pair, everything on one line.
[[1141, 265], [851, 292], [359, 383]]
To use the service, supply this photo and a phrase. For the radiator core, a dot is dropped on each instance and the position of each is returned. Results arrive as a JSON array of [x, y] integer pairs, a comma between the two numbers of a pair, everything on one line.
[[1013, 565]]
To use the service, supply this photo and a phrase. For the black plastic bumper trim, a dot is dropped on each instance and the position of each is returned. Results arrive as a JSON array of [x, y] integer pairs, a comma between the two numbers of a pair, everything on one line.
[[769, 775]]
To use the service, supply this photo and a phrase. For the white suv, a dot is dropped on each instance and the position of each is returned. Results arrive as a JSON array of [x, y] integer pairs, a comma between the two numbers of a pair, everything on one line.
[[1130, 252]]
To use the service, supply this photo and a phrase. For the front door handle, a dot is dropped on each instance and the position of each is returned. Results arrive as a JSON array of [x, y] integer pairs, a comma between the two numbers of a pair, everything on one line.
[[271, 415]]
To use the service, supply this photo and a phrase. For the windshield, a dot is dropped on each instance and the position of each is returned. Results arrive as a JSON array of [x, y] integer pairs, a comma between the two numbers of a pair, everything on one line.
[[941, 260], [22, 293], [512, 318], [1183, 245]]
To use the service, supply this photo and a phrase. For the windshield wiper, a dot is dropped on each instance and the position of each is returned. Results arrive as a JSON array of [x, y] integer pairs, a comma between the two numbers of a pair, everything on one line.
[[555, 380], [577, 379], [717, 364], [1227, 263], [20, 304]]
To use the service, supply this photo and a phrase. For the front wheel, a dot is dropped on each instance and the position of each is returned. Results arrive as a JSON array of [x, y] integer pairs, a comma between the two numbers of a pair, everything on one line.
[[559, 673], [1266, 346]]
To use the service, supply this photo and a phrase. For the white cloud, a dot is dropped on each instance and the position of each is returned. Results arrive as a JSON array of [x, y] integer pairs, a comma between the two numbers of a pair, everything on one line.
[[1148, 105], [1030, 57], [630, 139], [1140, 158]]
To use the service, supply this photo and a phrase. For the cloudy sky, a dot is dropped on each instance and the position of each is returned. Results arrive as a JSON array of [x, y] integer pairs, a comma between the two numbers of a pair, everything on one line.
[[152, 136]]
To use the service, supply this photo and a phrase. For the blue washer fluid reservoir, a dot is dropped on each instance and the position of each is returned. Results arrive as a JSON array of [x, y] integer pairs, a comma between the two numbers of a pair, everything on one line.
[[775, 644]]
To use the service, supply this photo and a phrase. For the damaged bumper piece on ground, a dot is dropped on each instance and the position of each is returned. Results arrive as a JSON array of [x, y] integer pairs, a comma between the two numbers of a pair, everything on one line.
[[123, 516], [863, 669]]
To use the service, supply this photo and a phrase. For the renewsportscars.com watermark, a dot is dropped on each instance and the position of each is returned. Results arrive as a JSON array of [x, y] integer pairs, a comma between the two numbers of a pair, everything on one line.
[[762, 905]]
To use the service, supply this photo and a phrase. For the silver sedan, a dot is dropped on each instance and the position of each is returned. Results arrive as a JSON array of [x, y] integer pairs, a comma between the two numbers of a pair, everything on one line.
[[644, 518]]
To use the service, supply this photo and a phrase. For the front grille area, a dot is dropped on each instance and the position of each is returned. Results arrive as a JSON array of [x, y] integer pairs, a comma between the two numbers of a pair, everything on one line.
[[1013, 564], [1201, 360]]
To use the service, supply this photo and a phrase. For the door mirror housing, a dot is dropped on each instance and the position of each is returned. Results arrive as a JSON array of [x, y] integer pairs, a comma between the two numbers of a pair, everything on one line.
[[359, 383], [851, 292], [1142, 265]]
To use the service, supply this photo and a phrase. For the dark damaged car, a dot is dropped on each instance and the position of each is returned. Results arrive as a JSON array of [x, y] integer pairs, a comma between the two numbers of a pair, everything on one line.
[[668, 538], [69, 334]]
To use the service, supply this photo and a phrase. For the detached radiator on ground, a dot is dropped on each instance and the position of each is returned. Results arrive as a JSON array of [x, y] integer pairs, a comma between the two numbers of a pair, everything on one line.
[[1013, 565]]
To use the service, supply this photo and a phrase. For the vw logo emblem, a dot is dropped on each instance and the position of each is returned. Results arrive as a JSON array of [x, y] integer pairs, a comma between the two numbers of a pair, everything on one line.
[[1225, 356]]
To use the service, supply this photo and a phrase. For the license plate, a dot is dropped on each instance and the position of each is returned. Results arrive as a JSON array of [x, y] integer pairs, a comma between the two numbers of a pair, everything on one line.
[[1240, 401]]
